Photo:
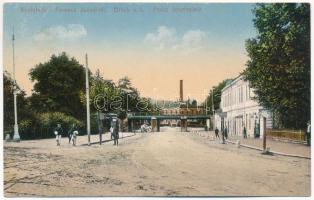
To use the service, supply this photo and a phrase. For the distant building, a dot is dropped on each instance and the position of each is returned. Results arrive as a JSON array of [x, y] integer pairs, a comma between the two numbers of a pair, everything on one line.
[[183, 110], [238, 109]]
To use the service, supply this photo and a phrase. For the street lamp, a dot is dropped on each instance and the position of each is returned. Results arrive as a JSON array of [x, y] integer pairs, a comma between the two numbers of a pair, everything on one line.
[[87, 100], [16, 136], [213, 109]]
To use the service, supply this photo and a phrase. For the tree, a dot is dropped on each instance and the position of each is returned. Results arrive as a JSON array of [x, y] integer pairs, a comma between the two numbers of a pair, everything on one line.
[[107, 97], [216, 91], [102, 93], [8, 101], [193, 103], [130, 96], [279, 61], [58, 84]]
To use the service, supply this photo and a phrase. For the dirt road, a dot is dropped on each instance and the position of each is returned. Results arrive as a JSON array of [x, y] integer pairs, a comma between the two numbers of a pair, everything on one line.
[[155, 164]]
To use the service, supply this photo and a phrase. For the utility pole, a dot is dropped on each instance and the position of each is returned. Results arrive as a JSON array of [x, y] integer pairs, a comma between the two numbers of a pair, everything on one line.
[[16, 136], [264, 134], [87, 101], [213, 109]]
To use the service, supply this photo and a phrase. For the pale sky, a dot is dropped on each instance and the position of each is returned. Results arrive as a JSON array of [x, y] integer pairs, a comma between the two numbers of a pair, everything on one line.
[[155, 45]]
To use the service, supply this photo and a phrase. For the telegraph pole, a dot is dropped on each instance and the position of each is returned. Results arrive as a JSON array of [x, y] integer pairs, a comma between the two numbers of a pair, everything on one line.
[[16, 136], [213, 109], [87, 101]]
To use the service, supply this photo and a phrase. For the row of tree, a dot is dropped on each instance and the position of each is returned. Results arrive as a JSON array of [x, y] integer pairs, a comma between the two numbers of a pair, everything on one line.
[[58, 96], [279, 63], [212, 101]]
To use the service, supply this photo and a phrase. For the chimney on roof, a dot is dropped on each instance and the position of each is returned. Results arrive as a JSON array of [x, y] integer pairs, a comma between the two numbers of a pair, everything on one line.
[[181, 90]]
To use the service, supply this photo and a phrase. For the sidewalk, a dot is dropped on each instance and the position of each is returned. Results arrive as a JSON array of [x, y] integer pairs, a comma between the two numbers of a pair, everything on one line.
[[275, 146]]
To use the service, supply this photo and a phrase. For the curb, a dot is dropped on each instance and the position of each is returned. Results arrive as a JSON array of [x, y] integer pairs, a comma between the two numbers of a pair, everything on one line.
[[274, 152]]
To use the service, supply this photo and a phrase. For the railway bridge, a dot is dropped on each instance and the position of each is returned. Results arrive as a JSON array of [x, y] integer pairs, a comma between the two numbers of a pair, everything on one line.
[[155, 120]]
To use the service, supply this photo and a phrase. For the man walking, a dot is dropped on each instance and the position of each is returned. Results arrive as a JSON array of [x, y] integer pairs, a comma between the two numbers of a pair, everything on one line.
[[244, 132], [115, 127], [73, 132], [58, 132], [74, 135], [217, 133], [225, 132], [70, 132]]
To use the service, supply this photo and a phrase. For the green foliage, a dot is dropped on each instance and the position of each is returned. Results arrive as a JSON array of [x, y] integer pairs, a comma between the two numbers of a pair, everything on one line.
[[279, 64], [130, 97], [58, 84], [107, 97], [216, 91], [25, 124], [51, 119], [8, 102]]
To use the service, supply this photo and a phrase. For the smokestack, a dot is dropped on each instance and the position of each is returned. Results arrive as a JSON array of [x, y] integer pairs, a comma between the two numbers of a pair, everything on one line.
[[181, 90]]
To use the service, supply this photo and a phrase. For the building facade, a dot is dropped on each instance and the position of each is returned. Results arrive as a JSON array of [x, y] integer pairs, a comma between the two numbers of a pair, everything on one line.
[[239, 110]]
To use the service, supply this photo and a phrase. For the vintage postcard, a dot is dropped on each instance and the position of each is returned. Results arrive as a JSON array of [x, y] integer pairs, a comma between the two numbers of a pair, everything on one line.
[[156, 99]]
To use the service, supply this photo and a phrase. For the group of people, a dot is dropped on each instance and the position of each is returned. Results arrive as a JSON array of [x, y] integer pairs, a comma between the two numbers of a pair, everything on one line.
[[72, 134], [224, 133]]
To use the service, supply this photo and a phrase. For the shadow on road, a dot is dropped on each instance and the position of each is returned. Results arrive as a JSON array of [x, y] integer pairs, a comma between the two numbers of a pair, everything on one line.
[[104, 141]]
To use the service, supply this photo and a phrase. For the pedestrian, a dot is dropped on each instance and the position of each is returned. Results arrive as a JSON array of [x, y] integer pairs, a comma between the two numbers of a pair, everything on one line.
[[58, 132], [308, 133], [74, 135], [115, 136], [244, 132], [70, 132], [115, 129], [226, 132], [111, 132], [217, 133]]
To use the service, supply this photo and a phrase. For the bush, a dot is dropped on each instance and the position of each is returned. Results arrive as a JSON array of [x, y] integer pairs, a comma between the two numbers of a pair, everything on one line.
[[51, 119], [42, 125], [25, 124]]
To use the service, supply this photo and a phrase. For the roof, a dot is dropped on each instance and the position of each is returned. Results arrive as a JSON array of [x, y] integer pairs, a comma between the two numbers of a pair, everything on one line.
[[231, 82]]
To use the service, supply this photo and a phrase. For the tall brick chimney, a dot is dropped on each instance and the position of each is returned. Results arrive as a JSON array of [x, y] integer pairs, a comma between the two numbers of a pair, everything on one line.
[[181, 90]]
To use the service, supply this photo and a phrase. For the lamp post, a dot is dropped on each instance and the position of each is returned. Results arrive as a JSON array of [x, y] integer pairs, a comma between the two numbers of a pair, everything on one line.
[[87, 100], [16, 136], [213, 109]]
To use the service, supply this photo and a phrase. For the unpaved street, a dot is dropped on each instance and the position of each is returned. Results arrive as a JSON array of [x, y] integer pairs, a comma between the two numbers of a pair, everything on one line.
[[154, 164]]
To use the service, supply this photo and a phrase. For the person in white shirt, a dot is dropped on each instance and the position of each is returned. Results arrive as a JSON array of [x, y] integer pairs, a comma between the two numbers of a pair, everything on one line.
[[308, 133]]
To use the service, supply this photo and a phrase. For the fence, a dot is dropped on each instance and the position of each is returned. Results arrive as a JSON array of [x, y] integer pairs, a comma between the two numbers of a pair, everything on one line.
[[43, 132], [298, 135]]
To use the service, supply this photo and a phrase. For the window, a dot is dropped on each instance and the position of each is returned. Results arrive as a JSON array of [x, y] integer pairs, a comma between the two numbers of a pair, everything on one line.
[[242, 94]]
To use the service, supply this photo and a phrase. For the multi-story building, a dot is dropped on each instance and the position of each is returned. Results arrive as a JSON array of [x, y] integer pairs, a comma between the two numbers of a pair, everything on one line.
[[239, 109]]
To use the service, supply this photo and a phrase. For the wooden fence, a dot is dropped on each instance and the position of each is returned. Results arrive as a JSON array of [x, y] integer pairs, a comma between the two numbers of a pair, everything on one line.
[[298, 135]]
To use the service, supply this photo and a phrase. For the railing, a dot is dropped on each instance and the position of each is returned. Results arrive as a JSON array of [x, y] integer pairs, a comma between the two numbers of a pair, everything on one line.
[[298, 135]]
